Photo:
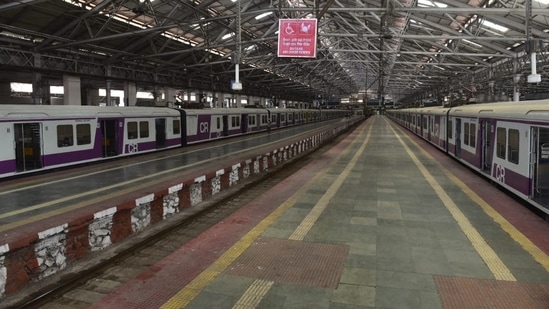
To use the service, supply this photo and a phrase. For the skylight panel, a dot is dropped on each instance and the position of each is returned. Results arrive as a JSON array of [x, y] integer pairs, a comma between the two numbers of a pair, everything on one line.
[[494, 26], [260, 16], [517, 44], [197, 25], [472, 43], [429, 3], [226, 36]]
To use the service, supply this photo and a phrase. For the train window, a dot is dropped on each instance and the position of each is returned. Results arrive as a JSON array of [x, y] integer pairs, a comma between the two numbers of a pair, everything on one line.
[[450, 129], [273, 118], [65, 135], [513, 146], [83, 134], [500, 142], [132, 130], [218, 123], [472, 135], [235, 121], [143, 129], [290, 117], [466, 134], [176, 126], [469, 134]]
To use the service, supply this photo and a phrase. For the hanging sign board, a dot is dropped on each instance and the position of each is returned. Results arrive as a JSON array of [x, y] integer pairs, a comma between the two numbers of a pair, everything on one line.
[[297, 38]]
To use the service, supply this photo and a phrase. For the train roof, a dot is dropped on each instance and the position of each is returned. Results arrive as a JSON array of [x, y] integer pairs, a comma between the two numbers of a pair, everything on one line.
[[223, 111], [80, 111], [534, 110]]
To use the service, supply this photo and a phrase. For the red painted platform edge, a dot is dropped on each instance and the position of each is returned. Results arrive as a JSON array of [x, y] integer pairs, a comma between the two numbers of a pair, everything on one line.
[[19, 247], [155, 286]]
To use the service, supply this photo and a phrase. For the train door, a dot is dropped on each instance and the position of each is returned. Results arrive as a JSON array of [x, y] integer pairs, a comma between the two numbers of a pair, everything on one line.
[[430, 129], [225, 125], [109, 137], [160, 127], [458, 138], [28, 146], [540, 161], [442, 133], [486, 129], [244, 123], [425, 127]]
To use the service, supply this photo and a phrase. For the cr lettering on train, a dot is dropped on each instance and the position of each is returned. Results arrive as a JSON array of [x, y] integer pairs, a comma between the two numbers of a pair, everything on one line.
[[204, 127]]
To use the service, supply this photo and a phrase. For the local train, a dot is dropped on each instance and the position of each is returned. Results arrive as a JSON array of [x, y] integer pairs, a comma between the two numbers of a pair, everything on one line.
[[508, 142], [39, 137]]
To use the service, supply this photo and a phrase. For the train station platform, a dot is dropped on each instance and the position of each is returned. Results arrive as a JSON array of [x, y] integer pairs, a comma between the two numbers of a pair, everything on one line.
[[51, 223], [382, 220]]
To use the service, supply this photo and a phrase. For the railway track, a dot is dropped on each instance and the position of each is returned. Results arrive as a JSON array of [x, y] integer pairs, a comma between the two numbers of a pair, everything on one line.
[[82, 288]]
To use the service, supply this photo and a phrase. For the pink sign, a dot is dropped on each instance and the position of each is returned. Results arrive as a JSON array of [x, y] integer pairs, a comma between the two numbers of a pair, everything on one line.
[[297, 38]]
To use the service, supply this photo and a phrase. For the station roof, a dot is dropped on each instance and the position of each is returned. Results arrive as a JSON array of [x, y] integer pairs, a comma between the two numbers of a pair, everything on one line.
[[403, 49]]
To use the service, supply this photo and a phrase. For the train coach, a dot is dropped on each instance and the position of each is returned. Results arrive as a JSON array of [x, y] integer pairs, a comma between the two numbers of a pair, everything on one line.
[[39, 137], [507, 142]]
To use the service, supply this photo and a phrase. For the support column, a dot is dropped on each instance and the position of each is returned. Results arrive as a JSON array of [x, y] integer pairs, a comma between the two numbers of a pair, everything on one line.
[[130, 94], [169, 97], [215, 99], [5, 92], [222, 100], [46, 93], [209, 99], [157, 96], [516, 89], [37, 88], [71, 86], [202, 96], [238, 98], [37, 91], [516, 80], [108, 101], [92, 97]]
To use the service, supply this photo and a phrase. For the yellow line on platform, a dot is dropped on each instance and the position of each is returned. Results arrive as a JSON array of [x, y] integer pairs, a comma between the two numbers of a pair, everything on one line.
[[517, 236], [492, 260], [254, 294], [259, 288], [310, 220], [520, 238], [189, 292]]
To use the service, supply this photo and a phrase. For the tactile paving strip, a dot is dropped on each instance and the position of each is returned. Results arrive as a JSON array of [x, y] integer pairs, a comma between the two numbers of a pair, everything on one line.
[[291, 261], [459, 293]]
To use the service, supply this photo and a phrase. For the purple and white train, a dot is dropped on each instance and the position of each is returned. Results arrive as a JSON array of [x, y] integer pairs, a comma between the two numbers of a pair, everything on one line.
[[507, 142], [39, 137]]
